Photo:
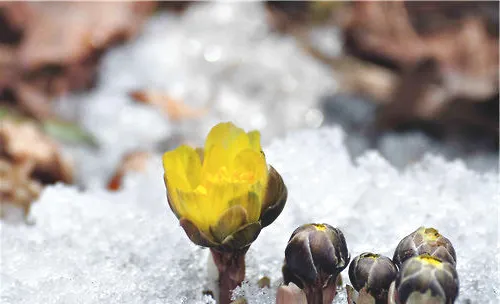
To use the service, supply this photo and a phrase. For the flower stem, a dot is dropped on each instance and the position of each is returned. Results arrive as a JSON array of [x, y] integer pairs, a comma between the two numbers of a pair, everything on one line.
[[231, 266], [318, 294], [314, 295]]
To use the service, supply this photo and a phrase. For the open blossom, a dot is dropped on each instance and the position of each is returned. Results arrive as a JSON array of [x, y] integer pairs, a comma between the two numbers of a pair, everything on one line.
[[224, 193]]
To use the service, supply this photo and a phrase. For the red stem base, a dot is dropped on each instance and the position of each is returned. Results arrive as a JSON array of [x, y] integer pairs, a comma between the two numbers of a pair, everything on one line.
[[231, 266]]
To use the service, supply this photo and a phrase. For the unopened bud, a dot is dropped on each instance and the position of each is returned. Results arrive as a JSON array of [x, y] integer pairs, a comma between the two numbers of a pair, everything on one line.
[[424, 241], [314, 257], [373, 272], [425, 279]]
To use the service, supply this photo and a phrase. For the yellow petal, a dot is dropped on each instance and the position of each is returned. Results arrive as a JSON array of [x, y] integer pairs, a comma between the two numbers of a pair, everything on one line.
[[214, 159], [182, 167], [193, 206], [201, 153], [172, 197], [239, 143], [230, 173], [251, 203], [222, 135], [223, 143], [251, 167], [218, 157], [254, 139], [219, 196]]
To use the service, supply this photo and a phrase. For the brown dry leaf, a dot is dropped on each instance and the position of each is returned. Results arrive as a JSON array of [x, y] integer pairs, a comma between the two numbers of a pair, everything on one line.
[[24, 142], [465, 52], [8, 66], [175, 110], [16, 186], [264, 282], [356, 75], [66, 32], [421, 59], [49, 49], [132, 162], [33, 100]]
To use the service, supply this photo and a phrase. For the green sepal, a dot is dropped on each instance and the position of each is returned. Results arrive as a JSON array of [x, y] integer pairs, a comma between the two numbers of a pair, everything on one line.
[[275, 198], [195, 235], [229, 222], [242, 238]]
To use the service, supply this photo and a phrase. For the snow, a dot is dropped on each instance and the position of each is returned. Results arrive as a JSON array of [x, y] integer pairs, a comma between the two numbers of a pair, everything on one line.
[[127, 247]]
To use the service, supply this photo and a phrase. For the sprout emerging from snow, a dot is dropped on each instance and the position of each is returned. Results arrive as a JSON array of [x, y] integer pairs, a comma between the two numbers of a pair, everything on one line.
[[374, 272], [314, 257]]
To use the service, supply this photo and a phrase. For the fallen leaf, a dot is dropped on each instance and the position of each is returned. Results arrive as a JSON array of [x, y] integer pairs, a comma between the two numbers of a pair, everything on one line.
[[176, 110]]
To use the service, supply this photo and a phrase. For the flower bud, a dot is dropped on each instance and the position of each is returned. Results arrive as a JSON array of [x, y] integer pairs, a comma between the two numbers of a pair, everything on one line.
[[314, 257], [425, 279], [373, 272], [425, 241]]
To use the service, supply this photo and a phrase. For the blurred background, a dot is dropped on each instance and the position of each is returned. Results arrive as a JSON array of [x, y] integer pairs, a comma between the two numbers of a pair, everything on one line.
[[90, 91]]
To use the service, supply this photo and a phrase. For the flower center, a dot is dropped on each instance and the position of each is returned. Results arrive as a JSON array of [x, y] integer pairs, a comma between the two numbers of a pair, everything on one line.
[[224, 176], [427, 259], [371, 255], [431, 234], [319, 227]]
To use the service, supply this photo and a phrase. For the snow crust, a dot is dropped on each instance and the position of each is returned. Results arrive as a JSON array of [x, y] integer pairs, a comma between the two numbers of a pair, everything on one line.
[[127, 247]]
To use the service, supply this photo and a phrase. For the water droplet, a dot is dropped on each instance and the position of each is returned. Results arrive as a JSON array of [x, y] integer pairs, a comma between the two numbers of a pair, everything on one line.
[[314, 118]]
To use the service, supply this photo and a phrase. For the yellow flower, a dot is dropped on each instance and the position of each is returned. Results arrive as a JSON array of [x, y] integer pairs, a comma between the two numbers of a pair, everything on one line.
[[225, 193]]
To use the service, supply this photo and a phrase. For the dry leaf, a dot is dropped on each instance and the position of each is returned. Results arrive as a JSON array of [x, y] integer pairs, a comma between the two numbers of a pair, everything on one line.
[[16, 185], [23, 141], [132, 162], [175, 110]]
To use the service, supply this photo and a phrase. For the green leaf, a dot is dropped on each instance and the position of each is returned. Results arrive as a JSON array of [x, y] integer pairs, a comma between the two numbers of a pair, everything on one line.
[[68, 132], [195, 235]]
